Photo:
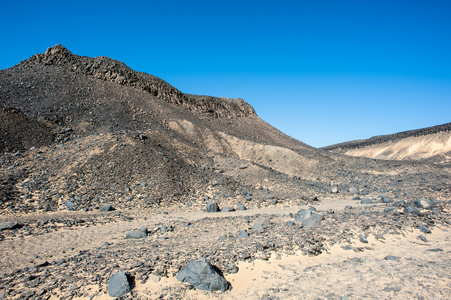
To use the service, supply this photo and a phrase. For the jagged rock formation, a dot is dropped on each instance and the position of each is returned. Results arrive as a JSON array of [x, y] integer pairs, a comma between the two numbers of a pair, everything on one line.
[[112, 70], [432, 144]]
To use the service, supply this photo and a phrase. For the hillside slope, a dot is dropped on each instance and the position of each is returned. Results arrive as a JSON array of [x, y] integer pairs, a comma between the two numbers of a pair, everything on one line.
[[432, 144], [121, 137]]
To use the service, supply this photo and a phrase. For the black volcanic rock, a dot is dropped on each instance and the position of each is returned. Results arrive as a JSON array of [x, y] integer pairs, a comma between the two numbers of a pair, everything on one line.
[[9, 225], [212, 206], [119, 284], [203, 276], [19, 132], [112, 70]]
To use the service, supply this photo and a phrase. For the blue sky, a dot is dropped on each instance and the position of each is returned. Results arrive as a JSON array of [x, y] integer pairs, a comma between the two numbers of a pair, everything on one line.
[[321, 71]]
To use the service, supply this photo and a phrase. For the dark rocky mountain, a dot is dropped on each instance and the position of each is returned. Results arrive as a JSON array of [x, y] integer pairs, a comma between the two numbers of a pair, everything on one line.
[[91, 131], [431, 144], [112, 180]]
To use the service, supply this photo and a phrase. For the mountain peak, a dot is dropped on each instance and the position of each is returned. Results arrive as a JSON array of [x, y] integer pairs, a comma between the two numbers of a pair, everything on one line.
[[58, 49]]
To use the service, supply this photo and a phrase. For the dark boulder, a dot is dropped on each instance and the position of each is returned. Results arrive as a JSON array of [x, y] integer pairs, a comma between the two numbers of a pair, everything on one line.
[[10, 225], [203, 276], [212, 207], [119, 284], [106, 207]]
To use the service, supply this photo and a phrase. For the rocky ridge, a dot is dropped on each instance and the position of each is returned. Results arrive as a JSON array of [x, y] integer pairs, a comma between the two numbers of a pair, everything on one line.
[[432, 144], [112, 70]]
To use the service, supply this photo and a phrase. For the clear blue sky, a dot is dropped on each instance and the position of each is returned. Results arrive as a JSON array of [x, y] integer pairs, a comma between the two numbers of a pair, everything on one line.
[[321, 71]]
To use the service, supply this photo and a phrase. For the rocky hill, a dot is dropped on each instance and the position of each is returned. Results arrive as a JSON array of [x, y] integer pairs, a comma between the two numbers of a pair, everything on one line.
[[113, 182], [103, 131], [432, 144]]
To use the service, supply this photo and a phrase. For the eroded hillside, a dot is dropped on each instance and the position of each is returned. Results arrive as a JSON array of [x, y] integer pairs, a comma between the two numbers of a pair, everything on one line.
[[432, 144]]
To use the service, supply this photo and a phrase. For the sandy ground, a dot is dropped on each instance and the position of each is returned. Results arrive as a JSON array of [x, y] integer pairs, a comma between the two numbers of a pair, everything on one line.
[[18, 253], [418, 269], [417, 273]]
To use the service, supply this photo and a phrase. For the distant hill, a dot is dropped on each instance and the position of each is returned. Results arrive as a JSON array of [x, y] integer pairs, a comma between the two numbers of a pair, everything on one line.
[[431, 144]]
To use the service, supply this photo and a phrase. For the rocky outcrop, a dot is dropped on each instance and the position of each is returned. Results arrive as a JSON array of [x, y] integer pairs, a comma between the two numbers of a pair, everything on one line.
[[115, 71]]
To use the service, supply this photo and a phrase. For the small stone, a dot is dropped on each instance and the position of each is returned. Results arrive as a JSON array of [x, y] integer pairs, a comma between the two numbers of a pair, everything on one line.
[[261, 225], [70, 205], [227, 209], [290, 223], [241, 207], [424, 229], [423, 238], [242, 167], [310, 222], [390, 210], [154, 278], [232, 268], [391, 257], [411, 210], [357, 198], [387, 200], [243, 234], [304, 214], [366, 201], [106, 207], [363, 239], [135, 234], [334, 189], [423, 203], [353, 190], [212, 207], [435, 250], [400, 203]]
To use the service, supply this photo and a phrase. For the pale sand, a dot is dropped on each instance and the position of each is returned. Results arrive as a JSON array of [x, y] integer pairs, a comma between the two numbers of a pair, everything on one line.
[[410, 148], [339, 274]]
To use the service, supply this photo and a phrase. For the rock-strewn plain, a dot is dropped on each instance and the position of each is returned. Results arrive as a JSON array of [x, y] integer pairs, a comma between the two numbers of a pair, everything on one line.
[[107, 170]]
